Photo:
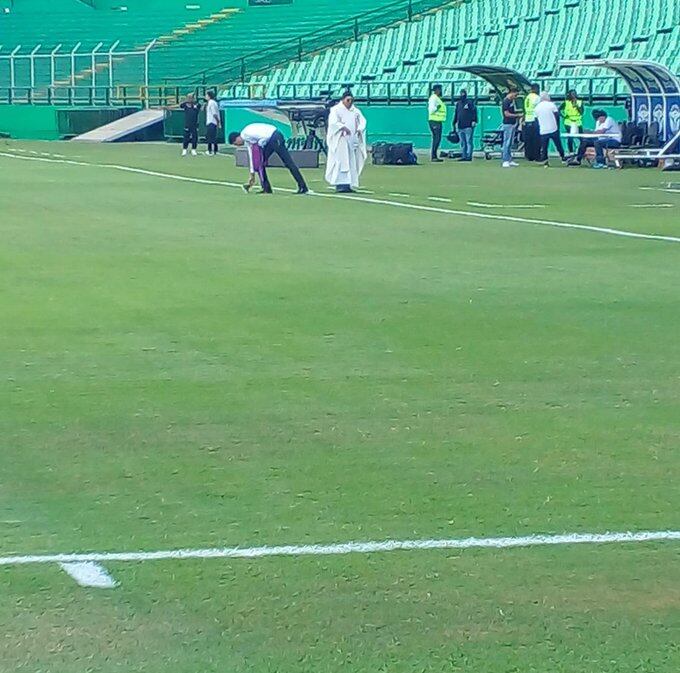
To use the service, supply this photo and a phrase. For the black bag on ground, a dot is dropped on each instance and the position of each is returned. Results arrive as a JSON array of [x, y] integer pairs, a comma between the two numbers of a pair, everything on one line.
[[393, 154]]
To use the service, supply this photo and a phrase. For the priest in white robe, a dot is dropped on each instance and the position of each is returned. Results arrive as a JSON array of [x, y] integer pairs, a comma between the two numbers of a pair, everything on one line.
[[346, 140]]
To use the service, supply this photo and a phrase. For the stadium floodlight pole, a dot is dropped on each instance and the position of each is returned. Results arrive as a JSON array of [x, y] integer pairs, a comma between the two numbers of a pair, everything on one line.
[[31, 57], [94, 63], [113, 48], [73, 63], [53, 68]]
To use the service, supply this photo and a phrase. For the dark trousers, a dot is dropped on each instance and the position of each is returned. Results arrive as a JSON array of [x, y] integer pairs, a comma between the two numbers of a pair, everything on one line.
[[557, 141], [190, 138], [436, 130], [211, 137], [277, 145], [570, 141], [602, 144], [532, 142]]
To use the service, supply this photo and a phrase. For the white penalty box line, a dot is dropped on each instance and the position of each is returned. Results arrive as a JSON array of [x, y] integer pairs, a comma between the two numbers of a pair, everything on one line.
[[366, 199], [84, 568]]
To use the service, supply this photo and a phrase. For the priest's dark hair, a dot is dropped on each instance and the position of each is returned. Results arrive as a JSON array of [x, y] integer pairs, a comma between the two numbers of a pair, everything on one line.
[[346, 93], [232, 136]]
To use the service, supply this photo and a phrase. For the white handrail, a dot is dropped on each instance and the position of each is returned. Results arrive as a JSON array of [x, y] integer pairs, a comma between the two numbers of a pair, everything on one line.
[[12, 81], [111, 50], [32, 61], [73, 63], [146, 68], [93, 77], [53, 69]]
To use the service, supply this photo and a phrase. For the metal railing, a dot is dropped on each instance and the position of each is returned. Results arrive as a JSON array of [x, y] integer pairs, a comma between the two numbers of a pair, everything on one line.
[[36, 68], [591, 89], [243, 67], [414, 92]]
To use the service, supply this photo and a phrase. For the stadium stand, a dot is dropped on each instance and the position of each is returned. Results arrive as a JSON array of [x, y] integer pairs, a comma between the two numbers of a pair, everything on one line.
[[512, 32], [208, 42], [188, 38]]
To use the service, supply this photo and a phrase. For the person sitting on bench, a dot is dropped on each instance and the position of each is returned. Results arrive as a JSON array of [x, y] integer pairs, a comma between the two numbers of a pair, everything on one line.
[[610, 131]]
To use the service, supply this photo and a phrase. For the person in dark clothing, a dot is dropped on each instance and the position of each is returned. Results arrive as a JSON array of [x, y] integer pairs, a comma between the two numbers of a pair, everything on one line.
[[265, 140], [191, 109], [510, 119], [464, 121]]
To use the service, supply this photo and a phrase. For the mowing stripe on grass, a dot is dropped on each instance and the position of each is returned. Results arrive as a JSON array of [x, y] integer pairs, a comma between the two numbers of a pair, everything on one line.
[[366, 199], [347, 548]]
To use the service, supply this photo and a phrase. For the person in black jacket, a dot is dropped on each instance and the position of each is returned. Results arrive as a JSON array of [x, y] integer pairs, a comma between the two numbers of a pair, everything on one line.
[[191, 109], [464, 121]]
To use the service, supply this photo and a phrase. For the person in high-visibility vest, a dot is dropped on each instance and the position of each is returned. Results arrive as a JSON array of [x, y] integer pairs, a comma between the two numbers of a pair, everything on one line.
[[572, 114], [532, 147], [436, 116]]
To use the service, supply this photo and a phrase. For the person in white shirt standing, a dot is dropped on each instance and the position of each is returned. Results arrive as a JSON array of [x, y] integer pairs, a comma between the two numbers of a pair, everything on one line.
[[270, 141], [213, 121], [547, 115], [346, 140]]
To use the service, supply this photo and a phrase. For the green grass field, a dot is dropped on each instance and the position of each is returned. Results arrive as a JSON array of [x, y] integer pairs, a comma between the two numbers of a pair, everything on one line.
[[185, 365]]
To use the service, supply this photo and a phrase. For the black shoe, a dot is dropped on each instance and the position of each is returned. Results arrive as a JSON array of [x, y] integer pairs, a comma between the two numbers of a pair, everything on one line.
[[303, 190], [437, 161]]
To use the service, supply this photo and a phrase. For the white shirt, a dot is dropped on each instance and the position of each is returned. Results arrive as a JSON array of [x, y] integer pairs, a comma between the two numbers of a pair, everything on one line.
[[433, 104], [609, 128], [256, 134], [212, 113], [546, 112]]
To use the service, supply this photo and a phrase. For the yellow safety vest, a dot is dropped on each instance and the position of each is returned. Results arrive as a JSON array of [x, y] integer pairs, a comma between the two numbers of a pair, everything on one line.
[[571, 112], [530, 103], [439, 115]]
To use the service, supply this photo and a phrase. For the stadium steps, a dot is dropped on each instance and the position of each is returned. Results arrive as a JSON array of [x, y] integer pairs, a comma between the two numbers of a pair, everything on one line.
[[123, 127], [177, 34]]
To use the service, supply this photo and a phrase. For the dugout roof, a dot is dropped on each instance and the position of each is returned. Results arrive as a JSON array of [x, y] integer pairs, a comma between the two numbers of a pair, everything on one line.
[[499, 77], [655, 90]]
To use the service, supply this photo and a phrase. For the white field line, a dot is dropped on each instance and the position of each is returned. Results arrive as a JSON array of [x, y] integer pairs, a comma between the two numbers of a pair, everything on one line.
[[399, 194], [669, 190], [89, 574], [441, 199], [652, 205], [477, 204], [347, 548], [366, 199]]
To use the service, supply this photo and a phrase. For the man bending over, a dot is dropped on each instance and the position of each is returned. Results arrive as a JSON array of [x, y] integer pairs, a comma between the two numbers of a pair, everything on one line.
[[271, 141]]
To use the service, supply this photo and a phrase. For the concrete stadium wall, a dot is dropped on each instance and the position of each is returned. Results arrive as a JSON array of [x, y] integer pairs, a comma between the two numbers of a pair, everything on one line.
[[386, 123], [29, 122]]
